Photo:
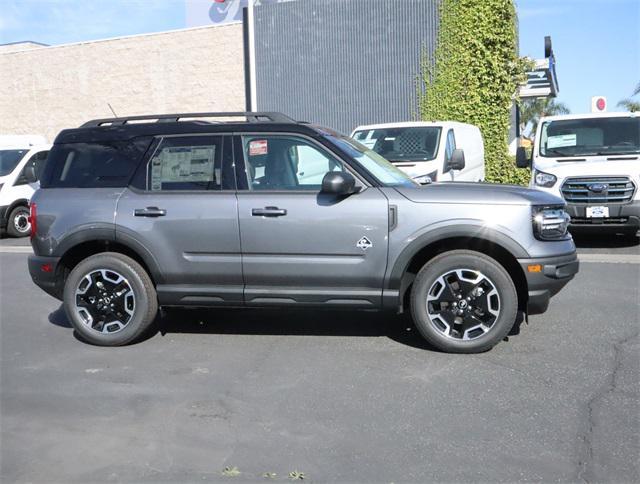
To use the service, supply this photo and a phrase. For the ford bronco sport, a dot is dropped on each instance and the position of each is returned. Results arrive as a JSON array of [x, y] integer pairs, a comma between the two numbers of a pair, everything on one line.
[[144, 212]]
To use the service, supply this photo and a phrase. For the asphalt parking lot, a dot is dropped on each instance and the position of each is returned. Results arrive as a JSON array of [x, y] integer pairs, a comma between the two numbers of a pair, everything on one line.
[[339, 396]]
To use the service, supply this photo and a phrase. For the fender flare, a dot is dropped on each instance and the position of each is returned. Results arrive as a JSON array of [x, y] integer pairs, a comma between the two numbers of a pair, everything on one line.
[[429, 237], [107, 232]]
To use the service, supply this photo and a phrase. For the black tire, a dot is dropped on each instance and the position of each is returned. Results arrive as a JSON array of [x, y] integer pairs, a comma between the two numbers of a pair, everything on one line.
[[137, 285], [18, 222], [435, 331]]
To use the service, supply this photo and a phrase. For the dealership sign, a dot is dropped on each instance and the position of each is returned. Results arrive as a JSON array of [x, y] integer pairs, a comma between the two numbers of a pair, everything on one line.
[[218, 12]]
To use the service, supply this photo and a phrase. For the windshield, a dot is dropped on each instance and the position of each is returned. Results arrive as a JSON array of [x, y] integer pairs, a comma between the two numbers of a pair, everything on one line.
[[381, 169], [590, 136], [9, 159], [402, 144]]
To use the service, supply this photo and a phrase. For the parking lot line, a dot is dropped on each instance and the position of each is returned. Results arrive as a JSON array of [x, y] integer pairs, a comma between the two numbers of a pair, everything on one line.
[[15, 249], [610, 258]]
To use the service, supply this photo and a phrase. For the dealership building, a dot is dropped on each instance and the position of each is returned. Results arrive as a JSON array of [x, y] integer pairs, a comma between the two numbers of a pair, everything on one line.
[[339, 63]]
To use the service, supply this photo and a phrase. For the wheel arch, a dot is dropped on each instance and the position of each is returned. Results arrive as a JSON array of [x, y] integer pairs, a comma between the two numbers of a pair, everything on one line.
[[502, 249], [75, 253], [20, 202]]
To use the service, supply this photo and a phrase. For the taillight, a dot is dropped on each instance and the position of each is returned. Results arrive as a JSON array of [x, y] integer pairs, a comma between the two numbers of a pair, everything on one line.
[[33, 219]]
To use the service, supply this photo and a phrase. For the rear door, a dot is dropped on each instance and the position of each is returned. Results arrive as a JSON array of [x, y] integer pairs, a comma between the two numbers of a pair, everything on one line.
[[300, 246], [182, 208]]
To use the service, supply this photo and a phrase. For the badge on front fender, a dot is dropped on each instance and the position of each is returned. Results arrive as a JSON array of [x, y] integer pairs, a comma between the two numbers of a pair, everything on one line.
[[364, 243]]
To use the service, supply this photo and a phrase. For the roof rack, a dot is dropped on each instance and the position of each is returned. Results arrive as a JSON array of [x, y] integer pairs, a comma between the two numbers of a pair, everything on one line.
[[252, 117]]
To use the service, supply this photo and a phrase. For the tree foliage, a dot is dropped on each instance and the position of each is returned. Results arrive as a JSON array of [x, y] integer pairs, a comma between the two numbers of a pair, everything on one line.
[[630, 104], [531, 110], [475, 76]]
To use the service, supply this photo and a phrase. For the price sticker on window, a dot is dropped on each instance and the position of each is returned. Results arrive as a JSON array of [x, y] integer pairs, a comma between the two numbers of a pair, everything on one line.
[[258, 147]]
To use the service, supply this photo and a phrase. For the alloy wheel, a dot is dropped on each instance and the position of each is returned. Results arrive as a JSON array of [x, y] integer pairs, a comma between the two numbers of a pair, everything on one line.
[[105, 301], [463, 304]]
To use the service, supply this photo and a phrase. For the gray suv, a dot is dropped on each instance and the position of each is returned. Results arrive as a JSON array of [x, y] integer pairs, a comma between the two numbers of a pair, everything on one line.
[[144, 212]]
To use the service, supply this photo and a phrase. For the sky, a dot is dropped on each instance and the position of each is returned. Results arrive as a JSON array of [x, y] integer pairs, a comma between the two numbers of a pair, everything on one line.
[[596, 42]]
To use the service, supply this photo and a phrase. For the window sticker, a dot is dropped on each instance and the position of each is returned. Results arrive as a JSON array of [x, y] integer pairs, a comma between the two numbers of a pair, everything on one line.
[[258, 147], [561, 140], [183, 164]]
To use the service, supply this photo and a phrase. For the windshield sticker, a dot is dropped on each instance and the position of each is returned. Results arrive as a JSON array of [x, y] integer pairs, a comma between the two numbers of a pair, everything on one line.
[[561, 140], [258, 147]]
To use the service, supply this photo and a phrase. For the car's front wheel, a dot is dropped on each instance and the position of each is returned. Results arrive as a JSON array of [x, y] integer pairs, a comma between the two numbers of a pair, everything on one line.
[[18, 224], [463, 302], [110, 299]]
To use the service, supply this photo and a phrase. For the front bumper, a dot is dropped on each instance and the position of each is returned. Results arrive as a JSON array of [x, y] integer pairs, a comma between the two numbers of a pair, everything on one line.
[[45, 274], [546, 281], [621, 217]]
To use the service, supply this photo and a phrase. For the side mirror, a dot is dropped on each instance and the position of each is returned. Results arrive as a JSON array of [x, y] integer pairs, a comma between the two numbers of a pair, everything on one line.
[[30, 173], [339, 183], [522, 160], [457, 160]]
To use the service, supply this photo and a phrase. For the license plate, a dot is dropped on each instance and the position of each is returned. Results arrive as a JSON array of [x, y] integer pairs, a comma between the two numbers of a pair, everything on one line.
[[597, 212]]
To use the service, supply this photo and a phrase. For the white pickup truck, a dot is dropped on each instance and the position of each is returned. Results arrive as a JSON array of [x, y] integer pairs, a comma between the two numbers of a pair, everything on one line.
[[593, 162]]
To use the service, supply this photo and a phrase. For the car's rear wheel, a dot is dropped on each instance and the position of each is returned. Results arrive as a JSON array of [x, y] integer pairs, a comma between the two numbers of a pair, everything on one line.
[[18, 224], [110, 299], [463, 302]]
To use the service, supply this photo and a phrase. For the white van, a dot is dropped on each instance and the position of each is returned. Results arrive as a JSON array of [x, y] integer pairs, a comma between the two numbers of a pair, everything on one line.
[[428, 151], [17, 183], [593, 162]]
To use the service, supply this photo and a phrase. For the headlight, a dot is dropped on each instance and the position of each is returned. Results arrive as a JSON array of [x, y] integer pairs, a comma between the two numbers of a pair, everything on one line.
[[550, 223], [543, 179]]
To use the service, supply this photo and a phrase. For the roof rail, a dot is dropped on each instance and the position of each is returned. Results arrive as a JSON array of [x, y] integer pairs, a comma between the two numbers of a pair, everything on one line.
[[252, 117]]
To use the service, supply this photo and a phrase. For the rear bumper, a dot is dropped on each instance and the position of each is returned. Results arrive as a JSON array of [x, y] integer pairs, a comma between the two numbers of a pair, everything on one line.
[[44, 274], [554, 273], [621, 217]]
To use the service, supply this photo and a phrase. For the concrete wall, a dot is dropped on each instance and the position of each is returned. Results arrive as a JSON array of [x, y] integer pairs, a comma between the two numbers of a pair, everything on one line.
[[43, 90]]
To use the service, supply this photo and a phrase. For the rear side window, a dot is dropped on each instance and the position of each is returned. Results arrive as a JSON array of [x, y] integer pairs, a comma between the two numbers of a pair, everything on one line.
[[186, 163], [93, 165]]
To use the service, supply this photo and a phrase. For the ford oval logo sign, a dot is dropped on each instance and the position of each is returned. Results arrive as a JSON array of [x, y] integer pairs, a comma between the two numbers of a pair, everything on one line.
[[598, 187]]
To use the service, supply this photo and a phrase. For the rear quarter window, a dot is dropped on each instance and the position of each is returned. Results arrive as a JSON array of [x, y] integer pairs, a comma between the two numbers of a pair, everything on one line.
[[93, 165]]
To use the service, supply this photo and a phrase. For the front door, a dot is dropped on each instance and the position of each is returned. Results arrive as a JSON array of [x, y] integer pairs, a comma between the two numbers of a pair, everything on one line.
[[184, 212], [300, 246]]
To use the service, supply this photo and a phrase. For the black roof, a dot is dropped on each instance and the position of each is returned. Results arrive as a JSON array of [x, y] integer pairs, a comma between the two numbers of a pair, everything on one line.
[[113, 129]]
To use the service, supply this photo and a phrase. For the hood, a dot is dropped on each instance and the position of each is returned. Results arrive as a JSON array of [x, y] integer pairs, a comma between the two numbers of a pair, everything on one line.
[[478, 193], [590, 166]]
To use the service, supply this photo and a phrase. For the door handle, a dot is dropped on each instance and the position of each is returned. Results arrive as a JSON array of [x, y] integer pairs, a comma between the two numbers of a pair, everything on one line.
[[149, 212], [268, 212]]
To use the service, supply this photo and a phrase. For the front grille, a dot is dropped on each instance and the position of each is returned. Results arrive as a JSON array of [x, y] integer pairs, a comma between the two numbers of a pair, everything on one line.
[[598, 221], [594, 190]]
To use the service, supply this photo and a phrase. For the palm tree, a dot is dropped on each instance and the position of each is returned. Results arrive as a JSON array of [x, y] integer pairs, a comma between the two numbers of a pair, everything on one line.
[[531, 110], [629, 104]]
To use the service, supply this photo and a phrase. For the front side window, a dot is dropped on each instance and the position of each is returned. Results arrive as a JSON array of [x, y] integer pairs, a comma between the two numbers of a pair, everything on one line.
[[9, 159], [402, 144], [590, 137], [37, 162], [186, 163], [286, 163]]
